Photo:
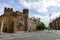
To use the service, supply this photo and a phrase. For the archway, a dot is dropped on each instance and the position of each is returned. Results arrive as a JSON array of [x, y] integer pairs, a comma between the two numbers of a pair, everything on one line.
[[8, 26]]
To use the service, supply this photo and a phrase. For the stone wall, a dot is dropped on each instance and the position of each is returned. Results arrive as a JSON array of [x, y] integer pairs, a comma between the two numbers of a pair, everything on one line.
[[31, 25], [28, 24]]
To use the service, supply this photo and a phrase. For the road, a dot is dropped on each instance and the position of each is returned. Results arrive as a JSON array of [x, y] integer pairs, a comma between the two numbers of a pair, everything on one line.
[[39, 35]]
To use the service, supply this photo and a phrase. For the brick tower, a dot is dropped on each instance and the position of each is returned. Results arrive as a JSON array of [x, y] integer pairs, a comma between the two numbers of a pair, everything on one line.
[[25, 13]]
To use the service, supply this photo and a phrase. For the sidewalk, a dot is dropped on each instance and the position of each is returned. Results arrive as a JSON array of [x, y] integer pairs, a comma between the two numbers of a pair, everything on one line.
[[10, 34]]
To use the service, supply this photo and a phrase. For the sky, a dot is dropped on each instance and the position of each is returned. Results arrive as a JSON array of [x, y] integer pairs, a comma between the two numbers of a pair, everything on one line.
[[37, 8]]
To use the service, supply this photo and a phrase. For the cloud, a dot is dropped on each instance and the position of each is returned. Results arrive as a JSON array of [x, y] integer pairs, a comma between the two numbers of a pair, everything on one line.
[[46, 19], [40, 5], [32, 5], [55, 15], [2, 7], [6, 3]]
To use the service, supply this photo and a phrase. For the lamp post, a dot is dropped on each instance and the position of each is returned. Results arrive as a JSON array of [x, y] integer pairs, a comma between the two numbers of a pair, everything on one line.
[[49, 21]]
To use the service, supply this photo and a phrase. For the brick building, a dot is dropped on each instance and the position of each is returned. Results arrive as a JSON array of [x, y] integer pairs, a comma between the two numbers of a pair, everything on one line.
[[55, 24], [16, 21]]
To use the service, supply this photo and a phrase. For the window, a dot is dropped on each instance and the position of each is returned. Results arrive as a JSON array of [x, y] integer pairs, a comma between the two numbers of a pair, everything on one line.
[[21, 18]]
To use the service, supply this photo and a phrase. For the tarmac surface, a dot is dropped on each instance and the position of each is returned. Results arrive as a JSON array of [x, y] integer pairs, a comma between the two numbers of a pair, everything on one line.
[[38, 35]]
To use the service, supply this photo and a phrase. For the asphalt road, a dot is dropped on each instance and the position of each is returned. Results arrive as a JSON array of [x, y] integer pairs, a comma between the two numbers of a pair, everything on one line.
[[39, 35]]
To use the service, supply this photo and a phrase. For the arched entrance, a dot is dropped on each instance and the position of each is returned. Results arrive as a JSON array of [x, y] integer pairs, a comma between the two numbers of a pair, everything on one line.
[[8, 26]]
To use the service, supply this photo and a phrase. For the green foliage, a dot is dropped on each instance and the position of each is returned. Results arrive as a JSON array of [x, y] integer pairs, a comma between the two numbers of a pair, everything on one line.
[[46, 27], [40, 26]]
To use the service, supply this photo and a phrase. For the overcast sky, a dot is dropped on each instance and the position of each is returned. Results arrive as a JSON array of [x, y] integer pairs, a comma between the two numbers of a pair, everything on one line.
[[37, 8]]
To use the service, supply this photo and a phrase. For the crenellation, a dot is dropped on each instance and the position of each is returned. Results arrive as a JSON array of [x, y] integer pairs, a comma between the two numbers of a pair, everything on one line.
[[25, 11], [8, 10], [17, 12], [11, 9], [5, 8]]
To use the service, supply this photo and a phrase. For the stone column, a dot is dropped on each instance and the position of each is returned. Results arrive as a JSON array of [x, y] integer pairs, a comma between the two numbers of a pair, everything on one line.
[[15, 25]]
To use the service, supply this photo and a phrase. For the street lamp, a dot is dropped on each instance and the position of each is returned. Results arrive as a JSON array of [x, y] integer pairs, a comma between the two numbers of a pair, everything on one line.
[[49, 21]]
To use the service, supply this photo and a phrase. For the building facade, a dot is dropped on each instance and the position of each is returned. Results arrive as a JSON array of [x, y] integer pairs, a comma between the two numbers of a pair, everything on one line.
[[55, 24], [16, 21]]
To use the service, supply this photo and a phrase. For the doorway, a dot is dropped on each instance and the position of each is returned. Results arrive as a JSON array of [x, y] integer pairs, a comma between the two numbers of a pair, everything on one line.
[[8, 27]]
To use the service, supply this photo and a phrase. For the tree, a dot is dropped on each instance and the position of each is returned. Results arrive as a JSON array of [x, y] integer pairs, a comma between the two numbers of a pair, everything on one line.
[[40, 26], [46, 28]]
